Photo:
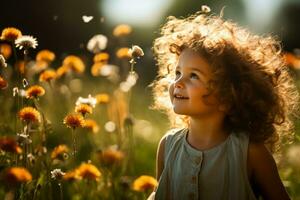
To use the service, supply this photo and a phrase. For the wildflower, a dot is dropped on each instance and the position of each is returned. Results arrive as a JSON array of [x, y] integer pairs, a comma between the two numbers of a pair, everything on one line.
[[108, 70], [74, 120], [3, 83], [88, 171], [87, 19], [136, 51], [59, 151], [111, 156], [96, 68], [5, 50], [2, 61], [71, 176], [74, 63], [205, 9], [16, 175], [10, 34], [101, 57], [20, 65], [97, 43], [91, 125], [10, 145], [102, 98], [26, 42], [29, 114], [122, 30], [23, 138], [47, 75], [45, 55], [57, 174], [31, 158], [62, 70], [144, 183], [83, 109], [89, 101], [35, 91], [123, 53], [110, 126]]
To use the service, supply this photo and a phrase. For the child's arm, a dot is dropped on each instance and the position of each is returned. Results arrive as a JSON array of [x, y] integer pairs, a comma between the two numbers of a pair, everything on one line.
[[264, 173], [160, 157]]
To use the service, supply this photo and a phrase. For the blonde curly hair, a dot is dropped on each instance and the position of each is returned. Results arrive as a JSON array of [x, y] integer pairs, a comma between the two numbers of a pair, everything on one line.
[[249, 71]]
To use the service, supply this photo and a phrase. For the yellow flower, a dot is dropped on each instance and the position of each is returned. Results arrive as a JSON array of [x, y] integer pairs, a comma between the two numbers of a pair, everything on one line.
[[29, 114], [101, 57], [123, 53], [35, 91], [144, 183], [91, 125], [5, 50], [83, 109], [88, 171], [111, 156], [10, 34], [3, 83], [10, 145], [71, 176], [59, 151], [74, 63], [47, 75], [122, 30], [15, 175], [95, 69], [45, 55], [62, 70], [102, 98], [20, 65], [74, 120]]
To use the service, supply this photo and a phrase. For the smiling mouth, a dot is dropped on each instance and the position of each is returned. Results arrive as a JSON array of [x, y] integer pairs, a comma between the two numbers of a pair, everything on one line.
[[178, 96]]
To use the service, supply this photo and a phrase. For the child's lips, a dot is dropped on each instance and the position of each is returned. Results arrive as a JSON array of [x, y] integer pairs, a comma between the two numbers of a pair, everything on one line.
[[179, 96]]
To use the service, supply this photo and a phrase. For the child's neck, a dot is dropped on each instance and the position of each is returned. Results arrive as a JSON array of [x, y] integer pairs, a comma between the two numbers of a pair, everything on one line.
[[205, 134]]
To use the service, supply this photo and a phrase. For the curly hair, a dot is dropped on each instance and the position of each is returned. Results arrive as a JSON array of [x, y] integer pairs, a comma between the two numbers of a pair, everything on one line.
[[249, 75]]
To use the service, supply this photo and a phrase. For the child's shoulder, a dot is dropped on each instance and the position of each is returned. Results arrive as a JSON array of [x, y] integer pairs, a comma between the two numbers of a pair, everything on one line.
[[173, 133]]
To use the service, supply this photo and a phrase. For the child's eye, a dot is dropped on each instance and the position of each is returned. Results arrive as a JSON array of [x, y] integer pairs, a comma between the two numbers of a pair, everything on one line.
[[194, 76], [177, 74]]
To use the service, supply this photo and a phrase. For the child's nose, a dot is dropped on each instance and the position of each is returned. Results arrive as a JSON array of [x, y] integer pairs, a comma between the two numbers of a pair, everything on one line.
[[178, 83]]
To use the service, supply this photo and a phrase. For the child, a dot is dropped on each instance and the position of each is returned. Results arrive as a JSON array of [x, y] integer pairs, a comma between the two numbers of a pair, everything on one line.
[[232, 92]]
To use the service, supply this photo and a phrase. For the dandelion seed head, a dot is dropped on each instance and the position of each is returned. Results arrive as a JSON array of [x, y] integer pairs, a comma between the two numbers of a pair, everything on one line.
[[29, 114], [97, 43], [122, 30], [26, 42], [136, 51], [87, 19], [35, 91], [10, 34], [2, 61], [110, 126], [89, 101]]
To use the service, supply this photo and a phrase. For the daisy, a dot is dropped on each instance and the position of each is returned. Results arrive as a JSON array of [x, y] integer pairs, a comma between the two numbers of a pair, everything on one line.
[[26, 42]]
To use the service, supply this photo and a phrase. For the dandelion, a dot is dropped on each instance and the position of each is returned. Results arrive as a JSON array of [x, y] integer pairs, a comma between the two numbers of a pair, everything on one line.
[[74, 63], [29, 114], [122, 30], [47, 75], [101, 57], [57, 174], [91, 125], [88, 171], [26, 42], [35, 91], [111, 156], [96, 68], [87, 19], [3, 83], [59, 152], [20, 66], [136, 51], [17, 175], [144, 183], [89, 101], [61, 71], [71, 176], [2, 61], [97, 43], [10, 145], [74, 121], [123, 53], [102, 98], [5, 50], [45, 55], [10, 34], [83, 109]]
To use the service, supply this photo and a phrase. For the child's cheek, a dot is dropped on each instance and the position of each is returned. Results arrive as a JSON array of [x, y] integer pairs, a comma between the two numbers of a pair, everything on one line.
[[171, 91]]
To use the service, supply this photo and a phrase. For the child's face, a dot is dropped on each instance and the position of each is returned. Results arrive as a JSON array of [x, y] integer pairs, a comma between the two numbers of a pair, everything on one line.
[[192, 75]]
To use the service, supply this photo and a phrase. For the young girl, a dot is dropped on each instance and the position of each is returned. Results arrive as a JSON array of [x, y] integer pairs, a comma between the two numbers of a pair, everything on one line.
[[234, 95]]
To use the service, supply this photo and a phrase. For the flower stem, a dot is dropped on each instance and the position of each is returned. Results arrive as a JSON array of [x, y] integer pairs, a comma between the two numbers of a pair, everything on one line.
[[74, 142]]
